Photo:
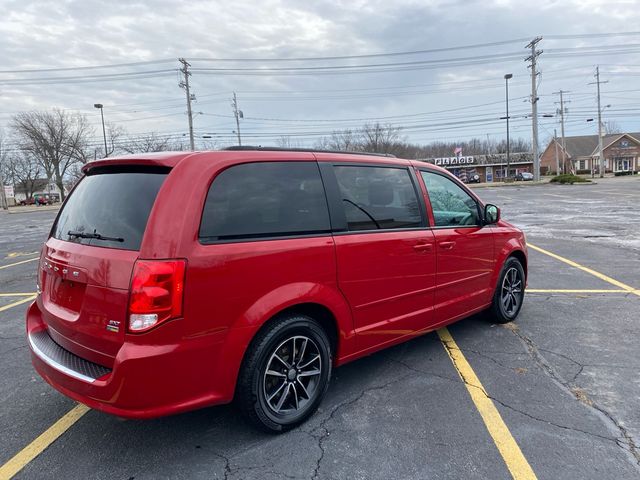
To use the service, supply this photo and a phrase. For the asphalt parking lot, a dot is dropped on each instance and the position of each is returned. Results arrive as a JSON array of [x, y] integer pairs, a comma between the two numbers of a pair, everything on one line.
[[554, 396]]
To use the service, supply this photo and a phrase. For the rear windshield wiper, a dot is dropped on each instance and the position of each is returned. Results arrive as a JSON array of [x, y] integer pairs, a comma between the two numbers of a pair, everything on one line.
[[94, 235]]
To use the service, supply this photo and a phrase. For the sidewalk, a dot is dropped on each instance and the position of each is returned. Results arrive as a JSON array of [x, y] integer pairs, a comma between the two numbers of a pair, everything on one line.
[[544, 181], [32, 209]]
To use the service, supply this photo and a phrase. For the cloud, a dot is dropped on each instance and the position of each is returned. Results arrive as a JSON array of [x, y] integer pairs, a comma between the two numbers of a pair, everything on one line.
[[48, 34]]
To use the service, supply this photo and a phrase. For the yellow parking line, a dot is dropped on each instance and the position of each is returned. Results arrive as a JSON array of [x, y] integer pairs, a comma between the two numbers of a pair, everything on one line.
[[35, 448], [509, 450], [18, 263], [15, 304], [601, 276], [17, 294], [542, 290]]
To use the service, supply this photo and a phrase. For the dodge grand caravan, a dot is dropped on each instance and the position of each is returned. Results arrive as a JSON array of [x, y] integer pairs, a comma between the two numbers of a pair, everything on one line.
[[175, 281]]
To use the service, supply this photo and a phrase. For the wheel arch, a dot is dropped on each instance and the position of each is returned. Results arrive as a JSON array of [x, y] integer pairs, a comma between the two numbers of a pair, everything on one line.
[[522, 258], [320, 302]]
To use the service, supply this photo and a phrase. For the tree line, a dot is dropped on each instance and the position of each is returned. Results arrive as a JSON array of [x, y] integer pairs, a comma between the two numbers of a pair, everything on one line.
[[56, 144], [389, 139]]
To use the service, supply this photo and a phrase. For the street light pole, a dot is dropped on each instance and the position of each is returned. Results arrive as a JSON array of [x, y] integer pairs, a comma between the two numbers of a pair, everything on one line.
[[506, 84], [104, 132]]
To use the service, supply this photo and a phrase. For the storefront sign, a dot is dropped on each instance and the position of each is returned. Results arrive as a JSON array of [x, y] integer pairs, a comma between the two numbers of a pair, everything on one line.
[[444, 162]]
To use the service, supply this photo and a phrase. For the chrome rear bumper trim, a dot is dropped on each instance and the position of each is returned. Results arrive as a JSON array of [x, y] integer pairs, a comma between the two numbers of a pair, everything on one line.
[[64, 361]]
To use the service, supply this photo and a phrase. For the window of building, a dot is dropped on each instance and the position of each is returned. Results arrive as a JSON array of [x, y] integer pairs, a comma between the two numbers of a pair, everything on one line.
[[376, 198], [623, 164], [266, 199], [451, 205]]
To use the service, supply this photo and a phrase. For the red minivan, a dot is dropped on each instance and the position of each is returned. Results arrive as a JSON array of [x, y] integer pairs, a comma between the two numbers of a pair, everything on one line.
[[175, 281]]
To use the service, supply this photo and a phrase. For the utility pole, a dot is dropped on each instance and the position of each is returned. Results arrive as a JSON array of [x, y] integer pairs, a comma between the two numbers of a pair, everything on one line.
[[506, 83], [534, 104], [238, 114], [555, 142], [600, 148], [185, 84], [562, 111], [3, 197]]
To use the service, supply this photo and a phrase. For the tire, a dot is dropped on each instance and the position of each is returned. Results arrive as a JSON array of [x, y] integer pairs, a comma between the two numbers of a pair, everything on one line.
[[509, 294], [285, 373]]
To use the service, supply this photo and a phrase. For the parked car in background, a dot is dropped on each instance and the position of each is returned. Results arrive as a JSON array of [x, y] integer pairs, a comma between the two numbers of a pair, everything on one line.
[[524, 176], [27, 201], [249, 274], [473, 178], [46, 198]]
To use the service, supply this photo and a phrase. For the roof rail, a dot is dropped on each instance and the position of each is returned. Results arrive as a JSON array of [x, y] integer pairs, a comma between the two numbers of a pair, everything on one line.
[[311, 150]]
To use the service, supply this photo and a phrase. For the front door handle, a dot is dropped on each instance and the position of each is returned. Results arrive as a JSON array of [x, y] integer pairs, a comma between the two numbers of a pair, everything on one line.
[[423, 247], [447, 245]]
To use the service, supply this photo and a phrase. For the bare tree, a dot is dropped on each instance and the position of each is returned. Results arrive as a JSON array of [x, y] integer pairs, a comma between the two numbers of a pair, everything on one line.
[[285, 141], [378, 138], [25, 173], [56, 139], [345, 140], [611, 127], [151, 142], [115, 134]]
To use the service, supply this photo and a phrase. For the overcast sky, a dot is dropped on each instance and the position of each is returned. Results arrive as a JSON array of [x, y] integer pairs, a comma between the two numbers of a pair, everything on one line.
[[431, 98]]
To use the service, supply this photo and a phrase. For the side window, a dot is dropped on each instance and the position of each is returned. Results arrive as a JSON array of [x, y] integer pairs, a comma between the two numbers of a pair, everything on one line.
[[267, 199], [451, 205], [378, 197]]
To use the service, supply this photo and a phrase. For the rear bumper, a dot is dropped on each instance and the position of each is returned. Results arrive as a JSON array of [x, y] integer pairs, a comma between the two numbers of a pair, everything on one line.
[[149, 379]]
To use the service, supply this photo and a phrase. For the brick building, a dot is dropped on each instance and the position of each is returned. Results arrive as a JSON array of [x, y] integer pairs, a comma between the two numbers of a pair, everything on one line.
[[621, 153]]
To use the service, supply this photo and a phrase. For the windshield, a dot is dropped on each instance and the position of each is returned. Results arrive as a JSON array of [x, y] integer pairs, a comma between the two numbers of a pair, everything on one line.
[[109, 209]]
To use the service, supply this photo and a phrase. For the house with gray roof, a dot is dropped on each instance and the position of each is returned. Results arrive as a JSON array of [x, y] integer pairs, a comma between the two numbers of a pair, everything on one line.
[[580, 154]]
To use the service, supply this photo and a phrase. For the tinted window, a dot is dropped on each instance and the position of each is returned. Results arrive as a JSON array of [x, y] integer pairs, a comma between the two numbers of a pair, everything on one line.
[[265, 200], [115, 205], [378, 197], [451, 205]]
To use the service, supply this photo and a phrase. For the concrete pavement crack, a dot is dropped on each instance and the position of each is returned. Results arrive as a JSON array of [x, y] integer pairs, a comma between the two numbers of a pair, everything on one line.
[[323, 425], [629, 444], [506, 405]]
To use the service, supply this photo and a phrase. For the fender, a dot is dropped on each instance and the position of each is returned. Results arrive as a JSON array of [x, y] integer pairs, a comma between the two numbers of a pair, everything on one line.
[[503, 249], [243, 330]]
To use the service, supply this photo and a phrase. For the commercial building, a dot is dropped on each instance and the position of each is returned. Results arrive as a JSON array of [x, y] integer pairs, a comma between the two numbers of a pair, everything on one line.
[[621, 153], [490, 168]]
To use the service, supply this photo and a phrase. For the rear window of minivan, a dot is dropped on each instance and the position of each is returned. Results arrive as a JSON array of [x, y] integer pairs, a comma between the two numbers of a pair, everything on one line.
[[110, 208], [265, 200]]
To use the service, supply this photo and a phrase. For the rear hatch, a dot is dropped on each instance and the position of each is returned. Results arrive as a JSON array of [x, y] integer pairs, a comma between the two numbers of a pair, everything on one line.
[[86, 265]]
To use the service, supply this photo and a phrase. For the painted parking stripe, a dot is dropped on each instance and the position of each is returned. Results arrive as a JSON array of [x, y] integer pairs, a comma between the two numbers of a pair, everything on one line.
[[509, 450], [544, 290], [599, 275], [35, 448], [19, 263], [17, 294], [19, 302]]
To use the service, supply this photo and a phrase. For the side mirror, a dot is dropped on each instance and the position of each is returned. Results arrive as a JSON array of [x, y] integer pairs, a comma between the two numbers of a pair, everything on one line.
[[491, 214]]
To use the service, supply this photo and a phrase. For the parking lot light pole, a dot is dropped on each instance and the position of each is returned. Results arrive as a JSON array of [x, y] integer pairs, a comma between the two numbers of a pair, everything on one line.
[[104, 133], [506, 85]]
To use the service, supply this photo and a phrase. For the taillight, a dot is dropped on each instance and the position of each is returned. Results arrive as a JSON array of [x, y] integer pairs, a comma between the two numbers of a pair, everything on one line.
[[40, 277], [157, 287]]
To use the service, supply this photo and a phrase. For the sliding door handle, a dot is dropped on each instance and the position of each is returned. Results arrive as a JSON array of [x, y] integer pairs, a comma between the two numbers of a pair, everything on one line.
[[423, 247]]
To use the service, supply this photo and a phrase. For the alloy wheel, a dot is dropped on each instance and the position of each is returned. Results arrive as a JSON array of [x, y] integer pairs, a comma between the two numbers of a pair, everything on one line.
[[511, 293], [292, 376]]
